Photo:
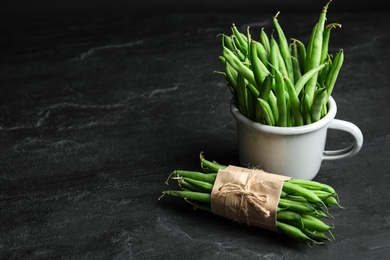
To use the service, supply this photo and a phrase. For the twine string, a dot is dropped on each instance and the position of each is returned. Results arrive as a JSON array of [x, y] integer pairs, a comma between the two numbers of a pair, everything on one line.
[[247, 197]]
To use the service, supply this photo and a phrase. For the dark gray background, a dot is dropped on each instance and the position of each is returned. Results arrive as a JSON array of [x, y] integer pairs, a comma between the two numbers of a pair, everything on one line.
[[153, 6]]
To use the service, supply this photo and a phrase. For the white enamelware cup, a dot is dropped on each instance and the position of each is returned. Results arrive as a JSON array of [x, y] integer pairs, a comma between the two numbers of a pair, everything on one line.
[[296, 151]]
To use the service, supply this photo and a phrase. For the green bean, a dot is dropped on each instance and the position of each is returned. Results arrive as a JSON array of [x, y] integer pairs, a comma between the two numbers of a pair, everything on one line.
[[306, 107], [258, 72], [313, 185], [242, 95], [242, 41], [200, 185], [296, 206], [295, 63], [295, 103], [284, 48], [251, 100], [318, 236], [301, 205], [293, 232], [283, 194], [314, 58], [289, 215], [325, 40], [280, 98], [297, 198], [266, 112], [266, 87], [231, 75], [185, 185], [263, 55], [314, 224], [334, 72], [324, 73], [302, 55], [299, 85], [264, 40], [294, 189], [228, 42], [310, 47], [323, 194], [191, 195], [208, 166], [209, 178], [332, 201], [241, 68], [318, 102], [282, 65], [276, 58], [273, 105]]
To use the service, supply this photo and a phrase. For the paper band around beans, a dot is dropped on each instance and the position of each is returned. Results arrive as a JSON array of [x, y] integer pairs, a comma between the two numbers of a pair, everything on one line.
[[248, 196]]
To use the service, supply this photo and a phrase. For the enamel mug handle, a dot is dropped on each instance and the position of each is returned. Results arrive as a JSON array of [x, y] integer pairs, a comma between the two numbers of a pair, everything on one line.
[[350, 151]]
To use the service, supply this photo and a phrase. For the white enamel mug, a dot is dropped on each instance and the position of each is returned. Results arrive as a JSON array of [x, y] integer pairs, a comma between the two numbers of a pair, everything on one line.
[[296, 151]]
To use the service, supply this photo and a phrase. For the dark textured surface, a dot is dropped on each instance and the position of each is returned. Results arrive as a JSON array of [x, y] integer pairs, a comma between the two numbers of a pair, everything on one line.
[[97, 111]]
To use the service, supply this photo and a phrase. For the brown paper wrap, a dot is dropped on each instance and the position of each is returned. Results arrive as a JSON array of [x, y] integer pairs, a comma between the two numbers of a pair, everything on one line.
[[249, 196]]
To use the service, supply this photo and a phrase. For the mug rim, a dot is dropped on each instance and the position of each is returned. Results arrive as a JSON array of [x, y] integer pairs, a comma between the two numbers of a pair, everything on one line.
[[288, 130]]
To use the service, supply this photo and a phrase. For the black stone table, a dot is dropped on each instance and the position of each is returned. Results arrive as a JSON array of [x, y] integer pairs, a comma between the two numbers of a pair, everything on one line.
[[96, 111]]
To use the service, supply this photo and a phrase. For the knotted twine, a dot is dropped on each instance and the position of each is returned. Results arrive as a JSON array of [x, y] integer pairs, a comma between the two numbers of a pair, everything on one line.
[[249, 196]]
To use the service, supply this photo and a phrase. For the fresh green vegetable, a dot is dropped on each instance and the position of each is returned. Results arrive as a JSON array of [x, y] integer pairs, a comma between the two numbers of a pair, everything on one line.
[[254, 69], [302, 205]]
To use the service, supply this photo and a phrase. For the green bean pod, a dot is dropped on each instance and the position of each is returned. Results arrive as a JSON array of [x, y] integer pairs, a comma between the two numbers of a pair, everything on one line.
[[258, 71], [326, 38], [334, 72], [264, 40], [319, 101], [266, 113], [231, 75], [294, 100], [228, 42], [318, 236], [251, 104], [301, 56], [187, 186], [284, 48], [294, 189], [263, 55], [314, 56], [281, 99], [242, 41], [310, 47], [293, 232], [209, 178], [283, 215], [241, 68], [306, 108], [332, 201], [273, 105], [324, 73], [299, 85], [242, 95], [191, 195], [295, 63], [200, 185], [312, 185], [314, 224], [296, 206]]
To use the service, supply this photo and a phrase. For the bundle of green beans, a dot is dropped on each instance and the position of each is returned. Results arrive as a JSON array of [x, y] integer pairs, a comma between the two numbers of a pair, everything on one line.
[[301, 209], [281, 83]]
